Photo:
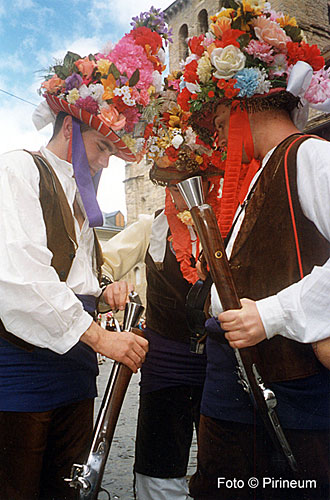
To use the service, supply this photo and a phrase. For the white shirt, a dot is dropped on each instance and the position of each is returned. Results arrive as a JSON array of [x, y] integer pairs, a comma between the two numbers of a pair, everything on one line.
[[301, 312], [34, 304]]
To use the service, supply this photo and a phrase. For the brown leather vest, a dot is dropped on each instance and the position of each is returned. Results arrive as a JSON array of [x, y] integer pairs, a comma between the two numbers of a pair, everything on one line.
[[61, 237], [264, 258], [166, 295]]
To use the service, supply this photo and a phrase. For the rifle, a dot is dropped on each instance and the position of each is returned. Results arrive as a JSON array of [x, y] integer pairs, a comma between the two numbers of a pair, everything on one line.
[[87, 477], [213, 246]]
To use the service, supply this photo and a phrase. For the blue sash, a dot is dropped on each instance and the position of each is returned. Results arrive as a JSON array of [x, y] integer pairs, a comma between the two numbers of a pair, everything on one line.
[[42, 380]]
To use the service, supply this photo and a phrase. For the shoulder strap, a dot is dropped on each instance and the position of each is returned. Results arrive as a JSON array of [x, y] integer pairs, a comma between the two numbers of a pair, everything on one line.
[[298, 141]]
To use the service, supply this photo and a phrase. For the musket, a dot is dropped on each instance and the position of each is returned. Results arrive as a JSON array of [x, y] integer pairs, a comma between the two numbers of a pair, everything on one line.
[[87, 477], [212, 243]]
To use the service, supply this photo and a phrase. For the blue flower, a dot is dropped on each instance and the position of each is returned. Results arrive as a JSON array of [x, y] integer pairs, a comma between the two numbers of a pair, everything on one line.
[[247, 82]]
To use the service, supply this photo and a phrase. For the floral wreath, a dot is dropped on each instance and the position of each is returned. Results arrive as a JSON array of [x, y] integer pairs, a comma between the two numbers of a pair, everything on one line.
[[173, 146], [252, 58], [117, 85], [249, 51]]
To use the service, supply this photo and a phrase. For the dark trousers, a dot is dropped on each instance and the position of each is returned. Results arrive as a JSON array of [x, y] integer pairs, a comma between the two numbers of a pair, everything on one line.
[[233, 451], [37, 451], [165, 428]]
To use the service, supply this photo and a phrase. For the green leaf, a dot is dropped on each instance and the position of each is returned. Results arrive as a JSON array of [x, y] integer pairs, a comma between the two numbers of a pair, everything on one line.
[[114, 71], [243, 40], [134, 78], [293, 32], [62, 71], [70, 59]]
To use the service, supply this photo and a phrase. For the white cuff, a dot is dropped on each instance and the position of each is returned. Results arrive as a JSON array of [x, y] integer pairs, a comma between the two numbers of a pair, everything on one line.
[[72, 336], [272, 316]]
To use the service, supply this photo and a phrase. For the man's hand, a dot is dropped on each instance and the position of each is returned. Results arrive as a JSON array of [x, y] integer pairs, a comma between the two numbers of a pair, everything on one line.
[[116, 294], [243, 327], [125, 347]]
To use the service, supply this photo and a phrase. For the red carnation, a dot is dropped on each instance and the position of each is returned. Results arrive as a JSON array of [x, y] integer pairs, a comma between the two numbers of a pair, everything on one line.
[[172, 154], [183, 99], [195, 45], [303, 52], [229, 37], [144, 36], [190, 72]]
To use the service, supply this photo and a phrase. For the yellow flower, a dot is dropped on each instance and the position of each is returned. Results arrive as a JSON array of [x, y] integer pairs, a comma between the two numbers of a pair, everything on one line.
[[199, 159], [286, 20], [253, 5], [223, 13], [73, 96], [174, 121], [103, 66], [109, 85], [204, 68], [185, 218]]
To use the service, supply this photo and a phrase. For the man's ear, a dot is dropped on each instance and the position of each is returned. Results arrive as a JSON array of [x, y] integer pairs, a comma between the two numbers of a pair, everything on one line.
[[67, 127]]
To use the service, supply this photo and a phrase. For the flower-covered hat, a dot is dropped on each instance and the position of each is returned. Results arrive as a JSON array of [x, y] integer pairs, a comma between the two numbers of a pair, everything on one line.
[[250, 53], [173, 146], [177, 153], [109, 91], [253, 58]]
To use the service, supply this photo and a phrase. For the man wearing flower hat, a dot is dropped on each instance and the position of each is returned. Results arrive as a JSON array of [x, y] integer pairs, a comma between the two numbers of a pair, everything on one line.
[[173, 375], [51, 263], [252, 77]]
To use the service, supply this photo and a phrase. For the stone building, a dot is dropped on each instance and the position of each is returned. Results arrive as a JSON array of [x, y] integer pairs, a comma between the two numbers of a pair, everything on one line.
[[189, 18]]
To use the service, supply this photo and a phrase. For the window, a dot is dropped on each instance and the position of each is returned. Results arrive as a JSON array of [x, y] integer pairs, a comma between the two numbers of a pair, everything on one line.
[[203, 23], [183, 44]]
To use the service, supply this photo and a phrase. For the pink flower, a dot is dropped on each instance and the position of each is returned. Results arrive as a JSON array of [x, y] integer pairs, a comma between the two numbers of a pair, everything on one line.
[[260, 50], [89, 104], [128, 56], [53, 84], [280, 65], [270, 32], [319, 89], [111, 117], [132, 117], [143, 98]]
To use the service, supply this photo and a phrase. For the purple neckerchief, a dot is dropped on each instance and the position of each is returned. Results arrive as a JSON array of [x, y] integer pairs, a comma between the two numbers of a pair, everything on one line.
[[87, 185]]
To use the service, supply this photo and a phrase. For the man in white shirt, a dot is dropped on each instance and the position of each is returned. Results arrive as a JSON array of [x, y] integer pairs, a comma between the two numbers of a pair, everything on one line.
[[50, 261]]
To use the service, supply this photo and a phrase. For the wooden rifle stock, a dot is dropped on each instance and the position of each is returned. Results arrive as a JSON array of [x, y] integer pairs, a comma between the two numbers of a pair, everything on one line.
[[88, 476], [264, 399]]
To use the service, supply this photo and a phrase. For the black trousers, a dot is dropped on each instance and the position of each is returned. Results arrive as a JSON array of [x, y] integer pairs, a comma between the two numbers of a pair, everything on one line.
[[229, 451], [37, 451], [164, 432]]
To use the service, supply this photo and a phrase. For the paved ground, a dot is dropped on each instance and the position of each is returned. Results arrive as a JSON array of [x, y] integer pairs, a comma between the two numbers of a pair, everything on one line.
[[118, 477]]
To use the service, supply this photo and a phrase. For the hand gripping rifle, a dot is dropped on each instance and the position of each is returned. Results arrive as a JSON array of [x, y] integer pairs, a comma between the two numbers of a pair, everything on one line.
[[87, 477], [211, 240]]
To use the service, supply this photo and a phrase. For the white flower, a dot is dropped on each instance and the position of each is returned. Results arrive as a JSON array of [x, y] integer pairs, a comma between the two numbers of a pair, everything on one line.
[[161, 55], [84, 91], [96, 91], [194, 88], [177, 141], [191, 136], [227, 61], [264, 85], [157, 81]]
